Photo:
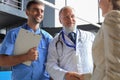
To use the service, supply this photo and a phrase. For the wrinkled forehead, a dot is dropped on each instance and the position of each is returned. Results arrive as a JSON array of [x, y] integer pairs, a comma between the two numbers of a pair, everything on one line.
[[67, 11]]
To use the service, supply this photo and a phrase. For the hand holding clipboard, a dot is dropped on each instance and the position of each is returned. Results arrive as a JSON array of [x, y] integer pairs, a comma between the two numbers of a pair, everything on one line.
[[24, 42]]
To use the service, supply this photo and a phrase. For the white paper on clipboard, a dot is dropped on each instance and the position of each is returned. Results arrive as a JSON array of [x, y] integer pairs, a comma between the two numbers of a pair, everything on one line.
[[26, 40]]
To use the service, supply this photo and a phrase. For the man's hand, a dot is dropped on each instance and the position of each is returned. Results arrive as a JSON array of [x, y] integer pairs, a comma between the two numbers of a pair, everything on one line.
[[73, 76], [32, 54]]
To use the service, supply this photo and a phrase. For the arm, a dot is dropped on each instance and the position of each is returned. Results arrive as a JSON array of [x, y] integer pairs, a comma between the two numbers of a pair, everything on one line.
[[111, 29], [52, 65], [73, 76], [13, 60], [54, 69]]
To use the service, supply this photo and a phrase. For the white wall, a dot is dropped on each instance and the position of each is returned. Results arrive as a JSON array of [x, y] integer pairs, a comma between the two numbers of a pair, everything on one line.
[[86, 10]]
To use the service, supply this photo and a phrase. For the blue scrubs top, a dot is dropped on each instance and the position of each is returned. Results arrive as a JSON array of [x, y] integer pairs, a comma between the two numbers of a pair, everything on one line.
[[36, 71]]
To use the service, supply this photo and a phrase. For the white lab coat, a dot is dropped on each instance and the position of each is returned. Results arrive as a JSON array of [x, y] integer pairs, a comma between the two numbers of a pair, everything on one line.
[[63, 58]]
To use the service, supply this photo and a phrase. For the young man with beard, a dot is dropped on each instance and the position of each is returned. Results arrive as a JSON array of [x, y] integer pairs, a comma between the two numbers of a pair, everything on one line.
[[36, 71]]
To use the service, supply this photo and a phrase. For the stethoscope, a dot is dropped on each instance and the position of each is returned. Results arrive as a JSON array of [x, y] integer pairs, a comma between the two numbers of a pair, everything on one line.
[[65, 41]]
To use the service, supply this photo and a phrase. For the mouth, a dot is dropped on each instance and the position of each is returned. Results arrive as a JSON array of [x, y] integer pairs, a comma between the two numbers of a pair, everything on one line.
[[71, 23], [39, 17]]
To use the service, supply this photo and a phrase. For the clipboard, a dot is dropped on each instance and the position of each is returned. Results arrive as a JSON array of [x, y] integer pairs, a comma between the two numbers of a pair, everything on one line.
[[26, 40]]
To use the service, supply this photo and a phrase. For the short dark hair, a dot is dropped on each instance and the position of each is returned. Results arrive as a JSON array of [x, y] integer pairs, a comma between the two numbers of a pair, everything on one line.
[[33, 2]]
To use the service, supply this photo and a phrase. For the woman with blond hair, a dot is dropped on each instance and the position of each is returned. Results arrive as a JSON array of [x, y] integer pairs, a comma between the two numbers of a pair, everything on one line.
[[106, 46]]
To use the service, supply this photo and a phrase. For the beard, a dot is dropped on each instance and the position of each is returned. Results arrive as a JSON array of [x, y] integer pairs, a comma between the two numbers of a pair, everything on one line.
[[36, 20], [69, 29]]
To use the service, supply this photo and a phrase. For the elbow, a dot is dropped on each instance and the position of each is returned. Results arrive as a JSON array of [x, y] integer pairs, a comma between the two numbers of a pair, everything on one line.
[[4, 64]]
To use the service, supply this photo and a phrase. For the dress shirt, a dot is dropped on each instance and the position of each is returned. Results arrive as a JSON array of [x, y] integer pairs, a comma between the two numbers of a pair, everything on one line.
[[72, 36]]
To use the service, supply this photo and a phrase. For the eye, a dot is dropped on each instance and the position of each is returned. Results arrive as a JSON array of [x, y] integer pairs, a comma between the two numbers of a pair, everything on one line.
[[66, 17], [72, 16], [42, 11]]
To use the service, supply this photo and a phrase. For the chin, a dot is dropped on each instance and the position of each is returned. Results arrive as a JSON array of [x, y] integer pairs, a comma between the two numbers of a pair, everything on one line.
[[38, 21], [104, 13]]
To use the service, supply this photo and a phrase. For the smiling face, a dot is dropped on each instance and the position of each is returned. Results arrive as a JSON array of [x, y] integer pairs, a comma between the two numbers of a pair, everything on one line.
[[67, 17], [35, 13], [106, 6]]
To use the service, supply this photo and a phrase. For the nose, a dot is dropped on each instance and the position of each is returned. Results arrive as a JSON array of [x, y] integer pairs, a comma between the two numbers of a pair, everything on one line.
[[70, 18], [39, 12]]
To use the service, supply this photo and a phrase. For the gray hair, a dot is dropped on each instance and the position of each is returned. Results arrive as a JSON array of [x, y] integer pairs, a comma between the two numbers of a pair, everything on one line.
[[66, 7]]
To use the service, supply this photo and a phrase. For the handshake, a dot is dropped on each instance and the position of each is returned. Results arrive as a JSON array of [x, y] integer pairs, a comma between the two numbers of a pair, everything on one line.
[[73, 76]]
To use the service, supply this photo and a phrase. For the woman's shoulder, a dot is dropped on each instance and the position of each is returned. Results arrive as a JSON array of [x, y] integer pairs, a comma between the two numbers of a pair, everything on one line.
[[112, 20], [112, 17]]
